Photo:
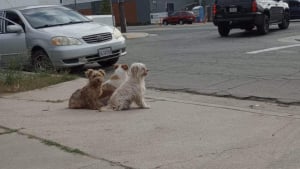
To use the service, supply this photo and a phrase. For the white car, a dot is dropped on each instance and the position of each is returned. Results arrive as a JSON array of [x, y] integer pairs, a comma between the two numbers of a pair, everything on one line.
[[54, 36]]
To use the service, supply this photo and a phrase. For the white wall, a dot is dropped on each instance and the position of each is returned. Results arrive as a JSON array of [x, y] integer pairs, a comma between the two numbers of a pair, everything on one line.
[[16, 3]]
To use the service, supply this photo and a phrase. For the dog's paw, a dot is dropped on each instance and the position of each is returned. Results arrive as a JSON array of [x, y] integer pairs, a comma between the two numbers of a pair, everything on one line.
[[146, 107]]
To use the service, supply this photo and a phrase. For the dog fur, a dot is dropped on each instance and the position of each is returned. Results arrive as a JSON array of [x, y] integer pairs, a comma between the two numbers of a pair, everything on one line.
[[119, 76], [132, 90], [88, 96]]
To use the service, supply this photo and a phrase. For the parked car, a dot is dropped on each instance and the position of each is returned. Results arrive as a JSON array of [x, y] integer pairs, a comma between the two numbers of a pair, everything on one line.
[[54, 36], [180, 17], [294, 8], [247, 14]]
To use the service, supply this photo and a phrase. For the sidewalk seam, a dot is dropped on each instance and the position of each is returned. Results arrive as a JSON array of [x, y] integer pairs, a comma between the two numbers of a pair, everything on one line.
[[62, 147]]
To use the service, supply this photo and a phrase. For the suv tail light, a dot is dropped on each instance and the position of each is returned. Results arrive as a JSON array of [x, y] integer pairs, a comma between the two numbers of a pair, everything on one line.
[[254, 6], [214, 9]]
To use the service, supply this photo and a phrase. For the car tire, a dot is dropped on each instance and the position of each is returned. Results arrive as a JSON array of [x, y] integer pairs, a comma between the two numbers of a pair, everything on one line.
[[285, 21], [224, 30], [249, 28], [109, 62], [181, 22], [165, 23], [264, 27], [41, 61]]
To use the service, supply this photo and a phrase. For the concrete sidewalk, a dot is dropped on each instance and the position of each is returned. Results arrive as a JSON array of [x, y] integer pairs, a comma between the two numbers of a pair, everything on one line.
[[179, 131], [135, 35]]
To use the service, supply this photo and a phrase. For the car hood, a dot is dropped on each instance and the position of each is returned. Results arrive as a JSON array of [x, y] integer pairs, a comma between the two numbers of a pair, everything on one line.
[[78, 30]]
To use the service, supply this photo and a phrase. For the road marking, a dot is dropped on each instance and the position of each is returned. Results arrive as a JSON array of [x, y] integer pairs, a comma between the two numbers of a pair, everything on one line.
[[272, 49]]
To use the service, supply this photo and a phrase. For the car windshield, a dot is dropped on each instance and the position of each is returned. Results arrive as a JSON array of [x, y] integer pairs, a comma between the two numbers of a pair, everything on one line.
[[52, 16]]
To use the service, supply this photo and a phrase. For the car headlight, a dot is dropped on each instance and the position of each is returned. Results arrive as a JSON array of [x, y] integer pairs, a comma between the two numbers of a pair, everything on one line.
[[117, 34], [64, 41]]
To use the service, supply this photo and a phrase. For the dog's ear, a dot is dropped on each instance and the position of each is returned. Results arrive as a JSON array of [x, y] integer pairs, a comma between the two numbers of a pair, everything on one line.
[[102, 72], [125, 66], [89, 72], [134, 70], [116, 66]]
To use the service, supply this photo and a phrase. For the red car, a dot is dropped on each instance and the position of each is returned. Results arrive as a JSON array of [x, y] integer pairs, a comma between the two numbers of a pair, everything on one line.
[[180, 17]]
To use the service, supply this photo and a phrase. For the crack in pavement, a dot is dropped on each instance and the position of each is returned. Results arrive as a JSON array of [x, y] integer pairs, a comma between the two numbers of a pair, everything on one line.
[[283, 127], [34, 100], [216, 94], [63, 147]]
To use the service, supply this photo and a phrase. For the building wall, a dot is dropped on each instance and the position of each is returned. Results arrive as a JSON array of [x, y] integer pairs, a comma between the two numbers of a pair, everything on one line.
[[143, 11], [130, 10], [161, 5]]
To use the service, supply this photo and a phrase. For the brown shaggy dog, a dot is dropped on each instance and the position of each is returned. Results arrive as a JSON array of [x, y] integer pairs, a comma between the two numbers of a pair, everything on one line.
[[88, 96]]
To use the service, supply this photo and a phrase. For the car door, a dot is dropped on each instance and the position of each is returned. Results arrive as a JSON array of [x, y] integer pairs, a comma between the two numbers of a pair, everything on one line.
[[13, 48], [175, 17]]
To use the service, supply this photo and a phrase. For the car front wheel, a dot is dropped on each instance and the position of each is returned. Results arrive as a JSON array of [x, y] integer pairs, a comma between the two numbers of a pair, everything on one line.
[[165, 23], [181, 22], [223, 29], [41, 61], [109, 62]]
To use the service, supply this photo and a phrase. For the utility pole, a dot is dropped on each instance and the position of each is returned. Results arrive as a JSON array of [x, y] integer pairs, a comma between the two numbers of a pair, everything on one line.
[[122, 16]]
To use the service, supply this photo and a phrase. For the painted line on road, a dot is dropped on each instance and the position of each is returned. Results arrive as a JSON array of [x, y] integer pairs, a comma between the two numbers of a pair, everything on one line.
[[272, 49]]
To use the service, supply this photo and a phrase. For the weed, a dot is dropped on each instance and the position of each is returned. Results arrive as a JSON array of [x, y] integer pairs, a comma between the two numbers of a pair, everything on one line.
[[15, 80], [62, 147]]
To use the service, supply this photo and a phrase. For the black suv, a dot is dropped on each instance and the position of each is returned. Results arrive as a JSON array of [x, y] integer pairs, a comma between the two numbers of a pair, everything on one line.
[[247, 14]]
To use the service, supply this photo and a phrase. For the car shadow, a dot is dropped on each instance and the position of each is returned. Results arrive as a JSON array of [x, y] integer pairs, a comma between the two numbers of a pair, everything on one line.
[[250, 34]]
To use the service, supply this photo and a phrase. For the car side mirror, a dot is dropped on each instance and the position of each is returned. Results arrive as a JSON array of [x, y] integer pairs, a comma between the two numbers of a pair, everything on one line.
[[14, 29]]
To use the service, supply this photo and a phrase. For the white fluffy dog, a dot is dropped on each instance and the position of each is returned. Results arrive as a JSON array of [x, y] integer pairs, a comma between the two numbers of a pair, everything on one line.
[[132, 90], [116, 79]]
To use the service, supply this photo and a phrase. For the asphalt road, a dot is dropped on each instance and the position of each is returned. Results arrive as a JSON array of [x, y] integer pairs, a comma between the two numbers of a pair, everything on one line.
[[245, 65]]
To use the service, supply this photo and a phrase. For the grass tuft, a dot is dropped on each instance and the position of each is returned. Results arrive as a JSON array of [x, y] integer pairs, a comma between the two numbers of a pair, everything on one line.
[[62, 147], [12, 80]]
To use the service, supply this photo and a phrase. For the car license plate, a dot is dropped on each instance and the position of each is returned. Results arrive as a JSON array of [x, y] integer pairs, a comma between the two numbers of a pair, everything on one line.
[[104, 52], [232, 9]]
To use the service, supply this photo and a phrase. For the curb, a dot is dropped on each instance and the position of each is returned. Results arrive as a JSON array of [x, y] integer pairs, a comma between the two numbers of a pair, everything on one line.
[[135, 35]]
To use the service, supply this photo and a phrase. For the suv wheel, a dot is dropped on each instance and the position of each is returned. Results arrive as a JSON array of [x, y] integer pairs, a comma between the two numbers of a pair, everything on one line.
[[285, 21], [223, 29], [181, 22], [264, 27], [165, 22], [109, 62], [41, 61], [249, 28]]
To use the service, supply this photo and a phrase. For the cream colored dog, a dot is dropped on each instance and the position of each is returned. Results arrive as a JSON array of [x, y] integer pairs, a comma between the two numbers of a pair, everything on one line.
[[119, 76], [132, 90]]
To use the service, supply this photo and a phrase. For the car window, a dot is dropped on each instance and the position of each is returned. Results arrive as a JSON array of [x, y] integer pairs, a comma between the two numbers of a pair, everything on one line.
[[52, 16], [15, 18], [7, 23], [175, 14]]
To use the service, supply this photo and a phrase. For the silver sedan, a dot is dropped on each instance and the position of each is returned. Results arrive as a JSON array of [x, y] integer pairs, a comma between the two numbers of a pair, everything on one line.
[[56, 37]]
